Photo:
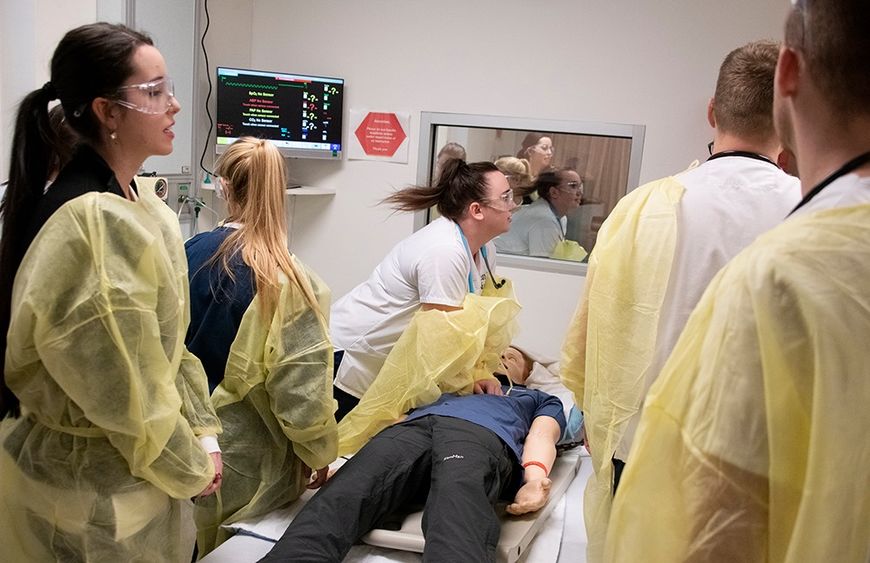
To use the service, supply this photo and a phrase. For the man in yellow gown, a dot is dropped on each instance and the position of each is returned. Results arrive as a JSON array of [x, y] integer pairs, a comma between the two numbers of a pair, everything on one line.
[[655, 255], [753, 443]]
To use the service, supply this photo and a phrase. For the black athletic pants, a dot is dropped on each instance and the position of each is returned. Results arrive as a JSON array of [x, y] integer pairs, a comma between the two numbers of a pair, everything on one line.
[[464, 467], [346, 401]]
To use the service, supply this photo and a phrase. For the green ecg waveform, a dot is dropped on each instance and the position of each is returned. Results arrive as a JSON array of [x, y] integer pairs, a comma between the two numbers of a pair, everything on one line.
[[245, 85], [263, 86]]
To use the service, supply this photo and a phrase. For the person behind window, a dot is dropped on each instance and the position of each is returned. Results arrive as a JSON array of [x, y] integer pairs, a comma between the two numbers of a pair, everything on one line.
[[655, 255], [109, 427], [536, 229], [516, 170], [449, 151], [259, 325], [434, 268], [538, 150]]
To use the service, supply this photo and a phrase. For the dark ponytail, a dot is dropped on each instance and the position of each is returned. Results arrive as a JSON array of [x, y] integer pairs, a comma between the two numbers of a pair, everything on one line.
[[32, 143], [90, 61], [458, 185]]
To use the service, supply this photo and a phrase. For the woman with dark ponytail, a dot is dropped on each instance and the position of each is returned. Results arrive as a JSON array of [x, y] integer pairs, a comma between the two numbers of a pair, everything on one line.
[[434, 268], [107, 427]]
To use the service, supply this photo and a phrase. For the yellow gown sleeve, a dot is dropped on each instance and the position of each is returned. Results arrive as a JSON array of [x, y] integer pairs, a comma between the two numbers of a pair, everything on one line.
[[298, 380], [752, 444], [439, 352], [196, 406], [96, 340], [610, 341], [573, 364], [704, 503]]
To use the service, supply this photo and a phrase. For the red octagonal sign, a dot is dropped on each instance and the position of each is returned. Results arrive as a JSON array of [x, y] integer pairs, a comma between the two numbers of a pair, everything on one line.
[[380, 134]]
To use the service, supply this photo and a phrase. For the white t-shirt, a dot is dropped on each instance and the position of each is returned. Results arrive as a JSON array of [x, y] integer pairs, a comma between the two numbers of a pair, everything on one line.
[[430, 266], [847, 191], [535, 231], [728, 203]]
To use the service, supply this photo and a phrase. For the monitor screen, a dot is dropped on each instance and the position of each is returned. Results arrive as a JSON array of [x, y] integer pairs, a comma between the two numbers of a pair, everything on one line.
[[300, 114]]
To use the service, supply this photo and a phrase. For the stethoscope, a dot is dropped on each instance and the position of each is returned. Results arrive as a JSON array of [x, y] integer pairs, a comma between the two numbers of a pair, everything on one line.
[[853, 164], [483, 253]]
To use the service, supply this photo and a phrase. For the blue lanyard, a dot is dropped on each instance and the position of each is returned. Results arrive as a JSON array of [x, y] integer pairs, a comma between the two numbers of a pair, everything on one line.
[[470, 257]]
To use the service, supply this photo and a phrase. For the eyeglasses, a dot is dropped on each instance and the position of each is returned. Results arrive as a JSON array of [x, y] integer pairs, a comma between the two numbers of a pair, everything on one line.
[[505, 201], [545, 148], [152, 98], [574, 187]]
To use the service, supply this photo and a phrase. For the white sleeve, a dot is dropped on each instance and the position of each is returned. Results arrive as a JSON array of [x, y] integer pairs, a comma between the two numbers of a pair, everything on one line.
[[442, 276]]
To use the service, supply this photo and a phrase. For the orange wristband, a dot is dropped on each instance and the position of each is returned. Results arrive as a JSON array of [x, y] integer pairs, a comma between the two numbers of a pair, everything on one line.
[[539, 464]]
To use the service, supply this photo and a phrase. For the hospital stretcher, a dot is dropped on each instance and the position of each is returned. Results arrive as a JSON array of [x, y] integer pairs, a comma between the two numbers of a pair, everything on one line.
[[253, 539]]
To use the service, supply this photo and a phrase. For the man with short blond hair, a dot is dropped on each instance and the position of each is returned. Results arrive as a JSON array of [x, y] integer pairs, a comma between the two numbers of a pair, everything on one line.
[[655, 255], [753, 443]]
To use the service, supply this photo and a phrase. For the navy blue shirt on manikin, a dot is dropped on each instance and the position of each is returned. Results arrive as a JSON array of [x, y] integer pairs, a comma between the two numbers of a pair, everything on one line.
[[508, 416], [217, 302]]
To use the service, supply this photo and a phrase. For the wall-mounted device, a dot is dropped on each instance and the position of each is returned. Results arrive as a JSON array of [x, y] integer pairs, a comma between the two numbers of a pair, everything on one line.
[[159, 185], [300, 114]]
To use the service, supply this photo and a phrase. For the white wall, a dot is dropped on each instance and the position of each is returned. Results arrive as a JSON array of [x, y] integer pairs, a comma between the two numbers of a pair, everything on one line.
[[652, 63], [29, 32]]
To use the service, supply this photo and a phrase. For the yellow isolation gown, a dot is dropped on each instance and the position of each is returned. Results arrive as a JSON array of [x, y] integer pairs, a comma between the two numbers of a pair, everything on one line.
[[625, 286], [439, 352], [277, 410], [105, 458], [752, 444]]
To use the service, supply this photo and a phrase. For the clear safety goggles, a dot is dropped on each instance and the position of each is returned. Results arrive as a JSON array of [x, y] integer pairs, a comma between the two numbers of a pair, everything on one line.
[[572, 187], [550, 149], [152, 98], [505, 201]]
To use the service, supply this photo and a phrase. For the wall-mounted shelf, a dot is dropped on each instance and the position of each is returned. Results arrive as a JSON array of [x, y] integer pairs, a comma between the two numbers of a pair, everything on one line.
[[301, 190], [309, 190]]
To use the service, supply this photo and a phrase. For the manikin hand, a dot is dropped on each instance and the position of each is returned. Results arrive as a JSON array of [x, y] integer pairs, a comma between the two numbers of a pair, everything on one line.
[[532, 496], [319, 478], [488, 387], [218, 475]]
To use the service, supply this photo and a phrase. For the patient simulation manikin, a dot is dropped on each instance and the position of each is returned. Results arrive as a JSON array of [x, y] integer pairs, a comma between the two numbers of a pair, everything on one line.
[[458, 455]]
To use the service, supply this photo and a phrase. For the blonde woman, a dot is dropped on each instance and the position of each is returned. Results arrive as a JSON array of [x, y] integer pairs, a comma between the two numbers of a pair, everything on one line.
[[259, 325], [516, 170]]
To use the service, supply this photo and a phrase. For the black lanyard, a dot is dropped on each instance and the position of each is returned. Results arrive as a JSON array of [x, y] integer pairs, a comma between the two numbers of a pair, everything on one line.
[[747, 154], [853, 164]]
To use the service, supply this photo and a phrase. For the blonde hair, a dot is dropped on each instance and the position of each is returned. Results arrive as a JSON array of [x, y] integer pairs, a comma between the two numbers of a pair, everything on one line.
[[254, 171], [516, 167]]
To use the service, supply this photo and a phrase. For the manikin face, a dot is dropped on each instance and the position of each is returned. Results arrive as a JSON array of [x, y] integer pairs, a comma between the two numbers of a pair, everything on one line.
[[516, 366], [499, 203], [143, 134]]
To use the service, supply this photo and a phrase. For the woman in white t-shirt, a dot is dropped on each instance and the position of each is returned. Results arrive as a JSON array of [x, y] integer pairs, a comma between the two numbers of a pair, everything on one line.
[[434, 268]]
